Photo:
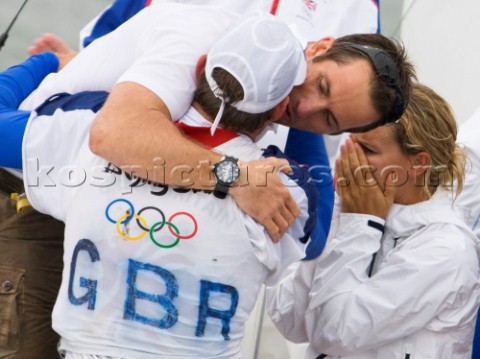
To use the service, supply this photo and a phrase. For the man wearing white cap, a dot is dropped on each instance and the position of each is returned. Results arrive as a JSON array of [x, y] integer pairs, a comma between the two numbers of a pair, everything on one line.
[[156, 271], [149, 64]]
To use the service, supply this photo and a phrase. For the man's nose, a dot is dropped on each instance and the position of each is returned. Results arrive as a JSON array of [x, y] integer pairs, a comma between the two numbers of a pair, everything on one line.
[[312, 107]]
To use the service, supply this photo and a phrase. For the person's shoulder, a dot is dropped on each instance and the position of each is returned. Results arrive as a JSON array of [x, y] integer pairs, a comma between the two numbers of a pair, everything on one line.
[[450, 241]]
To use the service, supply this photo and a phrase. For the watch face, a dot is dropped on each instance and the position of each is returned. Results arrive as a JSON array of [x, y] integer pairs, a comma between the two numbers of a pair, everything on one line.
[[227, 172]]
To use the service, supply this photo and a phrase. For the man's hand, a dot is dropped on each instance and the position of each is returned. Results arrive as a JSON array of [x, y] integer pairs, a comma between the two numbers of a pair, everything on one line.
[[49, 42], [357, 187], [52, 43], [263, 196]]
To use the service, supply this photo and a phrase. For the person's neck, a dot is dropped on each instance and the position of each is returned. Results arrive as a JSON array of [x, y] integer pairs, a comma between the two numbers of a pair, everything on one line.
[[411, 195], [198, 107]]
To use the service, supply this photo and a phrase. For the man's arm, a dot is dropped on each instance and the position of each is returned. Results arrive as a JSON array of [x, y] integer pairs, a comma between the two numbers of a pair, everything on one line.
[[134, 131], [134, 128]]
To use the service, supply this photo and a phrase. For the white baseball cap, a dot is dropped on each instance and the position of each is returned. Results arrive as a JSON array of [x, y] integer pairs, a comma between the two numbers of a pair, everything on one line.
[[264, 56]]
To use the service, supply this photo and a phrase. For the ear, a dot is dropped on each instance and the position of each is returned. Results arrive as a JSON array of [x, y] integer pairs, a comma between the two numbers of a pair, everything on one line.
[[420, 164], [280, 109], [319, 47], [200, 66]]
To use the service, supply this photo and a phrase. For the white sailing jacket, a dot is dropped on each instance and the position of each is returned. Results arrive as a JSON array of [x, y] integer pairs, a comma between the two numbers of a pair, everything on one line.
[[411, 293]]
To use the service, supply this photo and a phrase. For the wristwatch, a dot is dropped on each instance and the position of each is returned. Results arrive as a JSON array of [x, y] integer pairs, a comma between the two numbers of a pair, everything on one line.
[[227, 173]]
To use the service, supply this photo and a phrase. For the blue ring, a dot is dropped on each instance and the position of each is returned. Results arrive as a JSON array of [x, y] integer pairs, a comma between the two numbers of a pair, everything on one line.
[[126, 219]]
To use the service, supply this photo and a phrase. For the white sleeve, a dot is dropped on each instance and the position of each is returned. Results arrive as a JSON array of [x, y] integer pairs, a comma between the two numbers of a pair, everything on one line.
[[277, 257], [287, 302], [158, 48], [349, 311], [51, 146], [167, 54]]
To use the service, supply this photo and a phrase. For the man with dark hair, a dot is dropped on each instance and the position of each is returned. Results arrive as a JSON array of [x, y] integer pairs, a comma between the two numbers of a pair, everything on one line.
[[155, 56], [155, 271]]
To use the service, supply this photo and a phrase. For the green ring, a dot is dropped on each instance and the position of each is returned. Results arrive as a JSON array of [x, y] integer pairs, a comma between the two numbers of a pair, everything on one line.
[[164, 245]]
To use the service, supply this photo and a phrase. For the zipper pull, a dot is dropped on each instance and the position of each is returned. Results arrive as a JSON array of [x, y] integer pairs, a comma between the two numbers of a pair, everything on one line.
[[408, 351]]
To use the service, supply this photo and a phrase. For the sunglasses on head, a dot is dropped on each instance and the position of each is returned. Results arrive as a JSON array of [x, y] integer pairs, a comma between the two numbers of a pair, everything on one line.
[[387, 70]]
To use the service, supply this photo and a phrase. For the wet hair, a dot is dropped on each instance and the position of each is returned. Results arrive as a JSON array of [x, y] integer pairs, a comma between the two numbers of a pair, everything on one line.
[[384, 96], [429, 125], [232, 119]]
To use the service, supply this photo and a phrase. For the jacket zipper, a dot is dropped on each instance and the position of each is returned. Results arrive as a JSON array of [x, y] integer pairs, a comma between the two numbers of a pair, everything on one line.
[[395, 241]]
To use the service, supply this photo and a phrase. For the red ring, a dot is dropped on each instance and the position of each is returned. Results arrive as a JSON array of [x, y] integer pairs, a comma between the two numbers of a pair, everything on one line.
[[188, 215]]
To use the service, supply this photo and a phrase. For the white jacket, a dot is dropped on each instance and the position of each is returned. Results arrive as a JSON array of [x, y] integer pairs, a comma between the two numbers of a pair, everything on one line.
[[419, 303], [468, 202]]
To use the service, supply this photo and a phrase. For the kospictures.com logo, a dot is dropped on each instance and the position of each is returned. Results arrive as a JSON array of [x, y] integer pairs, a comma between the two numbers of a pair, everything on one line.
[[122, 224]]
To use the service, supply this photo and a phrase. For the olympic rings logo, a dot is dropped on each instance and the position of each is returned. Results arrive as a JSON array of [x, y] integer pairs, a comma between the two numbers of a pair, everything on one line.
[[142, 224]]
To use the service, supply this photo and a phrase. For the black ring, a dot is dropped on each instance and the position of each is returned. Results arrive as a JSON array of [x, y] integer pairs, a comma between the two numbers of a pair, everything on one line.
[[156, 209]]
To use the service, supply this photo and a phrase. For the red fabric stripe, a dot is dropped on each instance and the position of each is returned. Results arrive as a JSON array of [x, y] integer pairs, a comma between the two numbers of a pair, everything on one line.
[[148, 3], [202, 135], [274, 7]]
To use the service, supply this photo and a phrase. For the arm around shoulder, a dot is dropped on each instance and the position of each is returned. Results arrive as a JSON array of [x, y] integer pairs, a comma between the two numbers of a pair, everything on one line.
[[134, 130]]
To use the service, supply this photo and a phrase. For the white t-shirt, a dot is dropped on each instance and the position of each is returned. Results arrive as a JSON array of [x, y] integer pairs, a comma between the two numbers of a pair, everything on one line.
[[124, 295], [158, 48]]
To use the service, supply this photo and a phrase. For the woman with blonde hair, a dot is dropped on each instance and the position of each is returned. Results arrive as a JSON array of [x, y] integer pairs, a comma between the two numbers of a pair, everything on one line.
[[399, 277]]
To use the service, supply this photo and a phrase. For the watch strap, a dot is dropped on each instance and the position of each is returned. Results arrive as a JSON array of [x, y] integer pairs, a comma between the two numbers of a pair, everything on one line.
[[221, 190]]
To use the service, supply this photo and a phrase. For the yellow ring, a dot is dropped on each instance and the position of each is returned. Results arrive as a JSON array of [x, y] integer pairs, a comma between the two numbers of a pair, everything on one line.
[[127, 237]]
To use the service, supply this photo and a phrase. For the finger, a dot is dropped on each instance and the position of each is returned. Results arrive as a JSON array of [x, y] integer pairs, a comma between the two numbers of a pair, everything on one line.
[[273, 230], [338, 169], [341, 182], [366, 176], [37, 47], [286, 212], [33, 50], [281, 220], [291, 210], [282, 226], [359, 163], [345, 164], [55, 44], [352, 156]]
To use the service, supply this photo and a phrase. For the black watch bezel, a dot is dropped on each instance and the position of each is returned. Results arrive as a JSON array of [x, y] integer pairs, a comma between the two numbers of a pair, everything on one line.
[[221, 187]]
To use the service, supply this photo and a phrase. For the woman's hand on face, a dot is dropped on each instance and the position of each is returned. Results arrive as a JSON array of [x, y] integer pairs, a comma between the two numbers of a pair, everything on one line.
[[358, 189]]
